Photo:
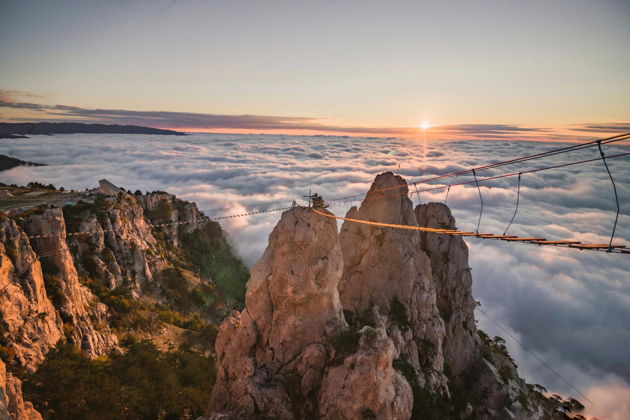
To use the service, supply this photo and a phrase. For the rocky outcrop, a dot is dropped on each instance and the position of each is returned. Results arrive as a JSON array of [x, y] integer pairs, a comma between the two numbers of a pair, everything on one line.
[[406, 345], [136, 242], [386, 271], [277, 357], [120, 249], [366, 385], [29, 323], [278, 344], [85, 317], [12, 404]]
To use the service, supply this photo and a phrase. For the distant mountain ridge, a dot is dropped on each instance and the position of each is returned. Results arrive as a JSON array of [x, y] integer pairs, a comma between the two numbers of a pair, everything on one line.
[[17, 130], [8, 162]]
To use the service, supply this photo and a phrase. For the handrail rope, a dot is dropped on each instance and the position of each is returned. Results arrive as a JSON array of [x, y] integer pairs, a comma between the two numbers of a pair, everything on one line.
[[532, 353], [204, 219], [552, 152], [613, 139], [601, 152], [383, 195], [417, 193], [518, 196], [480, 199], [455, 232]]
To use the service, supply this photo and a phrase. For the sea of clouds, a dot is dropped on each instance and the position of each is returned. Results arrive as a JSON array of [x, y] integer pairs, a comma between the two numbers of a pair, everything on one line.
[[571, 308]]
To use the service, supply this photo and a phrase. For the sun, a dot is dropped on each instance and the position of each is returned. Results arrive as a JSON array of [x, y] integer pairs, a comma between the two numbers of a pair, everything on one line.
[[425, 125]]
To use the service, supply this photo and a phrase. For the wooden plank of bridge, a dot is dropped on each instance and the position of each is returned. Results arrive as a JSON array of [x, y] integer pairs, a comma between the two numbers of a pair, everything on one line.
[[497, 236], [524, 239], [596, 246], [555, 242]]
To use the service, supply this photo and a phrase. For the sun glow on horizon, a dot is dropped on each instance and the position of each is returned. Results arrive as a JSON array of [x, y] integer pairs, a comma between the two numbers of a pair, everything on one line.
[[425, 125]]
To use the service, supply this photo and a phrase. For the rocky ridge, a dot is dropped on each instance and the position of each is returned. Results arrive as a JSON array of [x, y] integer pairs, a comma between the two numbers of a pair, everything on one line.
[[123, 278], [368, 323]]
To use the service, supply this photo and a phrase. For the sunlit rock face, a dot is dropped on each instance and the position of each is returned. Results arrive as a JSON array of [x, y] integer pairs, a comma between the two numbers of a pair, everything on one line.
[[278, 345], [12, 404], [30, 323], [85, 316], [387, 272]]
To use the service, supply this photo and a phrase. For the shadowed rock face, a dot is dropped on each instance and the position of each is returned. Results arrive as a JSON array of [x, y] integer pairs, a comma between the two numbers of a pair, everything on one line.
[[453, 284]]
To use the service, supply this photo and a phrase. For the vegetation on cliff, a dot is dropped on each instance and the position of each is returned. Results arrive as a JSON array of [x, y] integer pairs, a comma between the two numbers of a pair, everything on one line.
[[142, 383]]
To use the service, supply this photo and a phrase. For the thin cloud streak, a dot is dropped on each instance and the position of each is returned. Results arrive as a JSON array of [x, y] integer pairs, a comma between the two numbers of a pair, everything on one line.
[[204, 122]]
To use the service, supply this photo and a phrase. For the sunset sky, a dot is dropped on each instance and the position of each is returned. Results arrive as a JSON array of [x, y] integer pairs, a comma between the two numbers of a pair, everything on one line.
[[470, 68]]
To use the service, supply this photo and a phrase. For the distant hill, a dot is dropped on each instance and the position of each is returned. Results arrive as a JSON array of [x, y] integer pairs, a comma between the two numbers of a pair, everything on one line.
[[16, 130], [8, 162]]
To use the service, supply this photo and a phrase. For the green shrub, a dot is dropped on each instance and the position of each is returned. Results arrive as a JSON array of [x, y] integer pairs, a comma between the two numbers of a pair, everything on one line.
[[162, 213], [207, 249], [494, 345], [53, 290], [345, 342], [506, 373], [143, 383], [398, 314]]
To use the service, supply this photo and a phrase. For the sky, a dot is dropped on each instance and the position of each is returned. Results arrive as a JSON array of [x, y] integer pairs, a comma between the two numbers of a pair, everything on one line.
[[538, 69], [570, 307]]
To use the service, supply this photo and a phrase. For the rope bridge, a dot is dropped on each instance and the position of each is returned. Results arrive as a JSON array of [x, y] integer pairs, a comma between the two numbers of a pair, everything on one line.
[[509, 238]]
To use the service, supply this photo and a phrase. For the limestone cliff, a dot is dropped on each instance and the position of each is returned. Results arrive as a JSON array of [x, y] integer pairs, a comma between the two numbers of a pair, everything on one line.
[[372, 322], [453, 284], [111, 269], [30, 324], [85, 317]]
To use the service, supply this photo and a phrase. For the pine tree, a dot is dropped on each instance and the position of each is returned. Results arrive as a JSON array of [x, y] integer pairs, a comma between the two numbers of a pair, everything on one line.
[[318, 201]]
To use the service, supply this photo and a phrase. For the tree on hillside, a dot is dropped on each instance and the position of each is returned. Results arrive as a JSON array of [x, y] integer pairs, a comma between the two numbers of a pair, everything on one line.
[[317, 201]]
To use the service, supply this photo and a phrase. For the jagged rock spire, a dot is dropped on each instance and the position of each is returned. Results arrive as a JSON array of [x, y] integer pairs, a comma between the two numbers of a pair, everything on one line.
[[385, 267]]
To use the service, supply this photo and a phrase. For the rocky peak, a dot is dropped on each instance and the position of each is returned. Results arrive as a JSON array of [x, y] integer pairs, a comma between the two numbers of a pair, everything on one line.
[[406, 345], [387, 272], [289, 354], [291, 307]]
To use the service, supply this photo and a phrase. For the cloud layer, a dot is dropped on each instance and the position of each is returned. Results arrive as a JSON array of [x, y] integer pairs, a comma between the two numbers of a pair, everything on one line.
[[569, 307]]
